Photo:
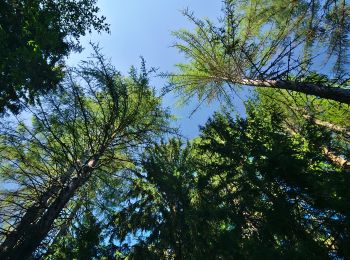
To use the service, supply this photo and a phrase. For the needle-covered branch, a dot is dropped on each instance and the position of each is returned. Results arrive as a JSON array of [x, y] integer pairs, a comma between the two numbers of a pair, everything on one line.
[[266, 45], [97, 115]]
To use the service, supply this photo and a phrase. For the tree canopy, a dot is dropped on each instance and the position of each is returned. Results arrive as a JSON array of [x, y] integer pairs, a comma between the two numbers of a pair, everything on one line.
[[35, 37], [91, 127], [245, 189], [96, 170], [267, 44]]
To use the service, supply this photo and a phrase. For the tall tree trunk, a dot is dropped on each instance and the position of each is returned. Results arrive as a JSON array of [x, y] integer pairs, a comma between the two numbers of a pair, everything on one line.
[[337, 94], [35, 211], [36, 224], [330, 126], [336, 159]]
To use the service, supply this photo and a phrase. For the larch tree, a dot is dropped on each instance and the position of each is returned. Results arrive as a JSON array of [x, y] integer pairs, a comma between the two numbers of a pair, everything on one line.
[[299, 46], [90, 127]]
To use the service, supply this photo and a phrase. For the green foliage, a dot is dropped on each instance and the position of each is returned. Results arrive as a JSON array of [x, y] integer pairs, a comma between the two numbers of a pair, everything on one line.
[[296, 106], [258, 42], [87, 179], [161, 198], [244, 189], [79, 136], [35, 37], [81, 243]]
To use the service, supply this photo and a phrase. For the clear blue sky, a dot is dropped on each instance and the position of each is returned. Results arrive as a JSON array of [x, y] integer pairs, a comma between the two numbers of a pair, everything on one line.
[[143, 28]]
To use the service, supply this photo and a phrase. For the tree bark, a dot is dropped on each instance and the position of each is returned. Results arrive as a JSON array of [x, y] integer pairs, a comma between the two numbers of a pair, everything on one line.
[[330, 126], [336, 159], [36, 224], [337, 94], [34, 212]]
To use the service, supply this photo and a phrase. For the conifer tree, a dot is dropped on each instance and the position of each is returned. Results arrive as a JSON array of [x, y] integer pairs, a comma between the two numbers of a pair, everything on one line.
[[89, 128], [299, 46]]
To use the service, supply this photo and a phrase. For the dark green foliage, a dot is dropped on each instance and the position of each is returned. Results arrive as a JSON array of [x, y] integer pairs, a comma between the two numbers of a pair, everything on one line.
[[85, 179], [245, 189], [162, 203], [82, 242], [35, 37]]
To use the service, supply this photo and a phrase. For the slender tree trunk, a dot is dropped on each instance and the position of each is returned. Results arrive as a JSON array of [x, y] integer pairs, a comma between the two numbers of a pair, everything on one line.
[[23, 242], [336, 159], [330, 126], [332, 157], [337, 94]]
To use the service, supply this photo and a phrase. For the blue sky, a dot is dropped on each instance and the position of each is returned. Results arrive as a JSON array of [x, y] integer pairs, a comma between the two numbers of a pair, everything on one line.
[[143, 28]]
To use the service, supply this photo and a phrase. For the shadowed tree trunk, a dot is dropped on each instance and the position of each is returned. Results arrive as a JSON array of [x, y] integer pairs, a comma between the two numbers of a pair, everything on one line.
[[79, 132], [22, 243]]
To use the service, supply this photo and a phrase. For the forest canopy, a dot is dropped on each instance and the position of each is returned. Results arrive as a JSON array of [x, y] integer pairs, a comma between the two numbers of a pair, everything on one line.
[[93, 165], [35, 37]]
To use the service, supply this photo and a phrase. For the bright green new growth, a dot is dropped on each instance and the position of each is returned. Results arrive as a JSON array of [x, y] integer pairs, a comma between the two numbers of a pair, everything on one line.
[[91, 127], [265, 44]]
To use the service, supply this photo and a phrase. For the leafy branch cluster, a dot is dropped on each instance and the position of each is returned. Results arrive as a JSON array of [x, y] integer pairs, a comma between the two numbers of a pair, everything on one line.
[[90, 167]]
